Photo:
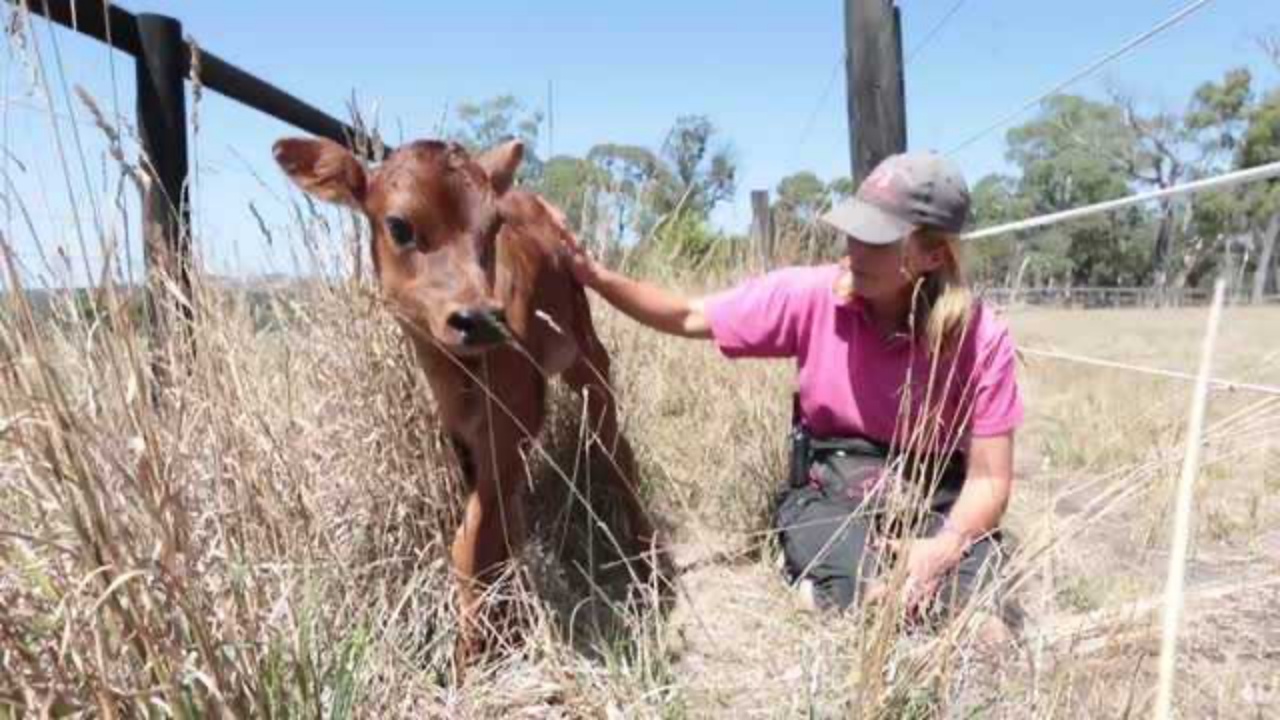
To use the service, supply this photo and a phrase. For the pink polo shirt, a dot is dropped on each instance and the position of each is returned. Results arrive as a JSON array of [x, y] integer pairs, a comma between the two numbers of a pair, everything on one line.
[[853, 380]]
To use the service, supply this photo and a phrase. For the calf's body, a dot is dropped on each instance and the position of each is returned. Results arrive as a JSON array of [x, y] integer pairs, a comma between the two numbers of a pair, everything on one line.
[[474, 272]]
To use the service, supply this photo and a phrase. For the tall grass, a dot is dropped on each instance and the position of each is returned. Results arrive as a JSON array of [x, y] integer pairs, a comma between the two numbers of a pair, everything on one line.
[[268, 536]]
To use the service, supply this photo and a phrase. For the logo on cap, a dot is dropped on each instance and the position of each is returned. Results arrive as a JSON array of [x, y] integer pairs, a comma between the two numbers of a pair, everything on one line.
[[880, 186]]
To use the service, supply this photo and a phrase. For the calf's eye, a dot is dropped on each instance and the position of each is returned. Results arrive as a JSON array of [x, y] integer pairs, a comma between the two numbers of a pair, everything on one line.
[[401, 231]]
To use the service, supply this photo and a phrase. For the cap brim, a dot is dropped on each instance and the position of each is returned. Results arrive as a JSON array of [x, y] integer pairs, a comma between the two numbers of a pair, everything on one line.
[[866, 222]]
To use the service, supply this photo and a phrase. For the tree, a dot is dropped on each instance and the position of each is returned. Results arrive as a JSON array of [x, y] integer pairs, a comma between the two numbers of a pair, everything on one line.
[[1080, 151], [572, 184], [840, 188], [703, 175], [496, 120], [802, 196], [1170, 148], [1259, 145], [631, 178], [800, 199], [998, 261], [1066, 156], [1155, 156]]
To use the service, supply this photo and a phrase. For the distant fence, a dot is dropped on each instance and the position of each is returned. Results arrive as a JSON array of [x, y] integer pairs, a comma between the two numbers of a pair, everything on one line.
[[164, 59], [1110, 297]]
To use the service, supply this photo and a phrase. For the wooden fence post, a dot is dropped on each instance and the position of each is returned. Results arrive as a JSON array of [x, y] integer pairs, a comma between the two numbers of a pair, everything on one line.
[[162, 61], [761, 227], [875, 85], [162, 66], [900, 98]]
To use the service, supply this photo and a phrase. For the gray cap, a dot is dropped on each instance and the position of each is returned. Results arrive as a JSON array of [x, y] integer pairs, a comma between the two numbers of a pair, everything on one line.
[[904, 192]]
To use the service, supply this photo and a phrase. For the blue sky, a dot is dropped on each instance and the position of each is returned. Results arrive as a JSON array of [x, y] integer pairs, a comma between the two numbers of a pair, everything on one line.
[[621, 72]]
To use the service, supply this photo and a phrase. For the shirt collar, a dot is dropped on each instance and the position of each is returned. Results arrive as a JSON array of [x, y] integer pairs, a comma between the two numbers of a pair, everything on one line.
[[858, 309]]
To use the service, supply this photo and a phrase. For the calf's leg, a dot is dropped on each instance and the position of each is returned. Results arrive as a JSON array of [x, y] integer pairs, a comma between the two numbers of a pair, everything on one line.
[[589, 376], [493, 528]]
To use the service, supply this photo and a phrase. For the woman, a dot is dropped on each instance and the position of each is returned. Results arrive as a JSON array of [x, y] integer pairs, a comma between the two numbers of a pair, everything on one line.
[[902, 375]]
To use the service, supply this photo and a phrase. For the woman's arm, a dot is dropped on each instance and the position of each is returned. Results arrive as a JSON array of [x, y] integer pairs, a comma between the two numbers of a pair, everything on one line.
[[645, 303], [653, 306], [982, 502], [986, 490]]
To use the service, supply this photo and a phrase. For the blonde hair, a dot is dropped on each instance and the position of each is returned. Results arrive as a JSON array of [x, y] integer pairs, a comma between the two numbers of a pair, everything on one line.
[[943, 303]]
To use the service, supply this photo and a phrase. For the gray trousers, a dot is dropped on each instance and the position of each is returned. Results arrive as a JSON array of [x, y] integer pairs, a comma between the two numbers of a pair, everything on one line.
[[827, 538]]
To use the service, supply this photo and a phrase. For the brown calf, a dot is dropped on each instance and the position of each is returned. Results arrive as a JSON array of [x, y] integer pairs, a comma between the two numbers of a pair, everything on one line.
[[474, 272]]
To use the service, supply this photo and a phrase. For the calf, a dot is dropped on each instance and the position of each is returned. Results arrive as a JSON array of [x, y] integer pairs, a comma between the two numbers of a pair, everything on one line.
[[474, 272]]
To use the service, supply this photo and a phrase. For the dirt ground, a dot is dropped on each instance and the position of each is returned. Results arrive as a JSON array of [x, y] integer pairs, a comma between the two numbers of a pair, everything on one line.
[[1093, 598]]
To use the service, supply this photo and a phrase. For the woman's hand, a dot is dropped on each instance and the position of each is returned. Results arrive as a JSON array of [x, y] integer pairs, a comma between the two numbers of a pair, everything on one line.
[[927, 561], [979, 508], [586, 269], [648, 304]]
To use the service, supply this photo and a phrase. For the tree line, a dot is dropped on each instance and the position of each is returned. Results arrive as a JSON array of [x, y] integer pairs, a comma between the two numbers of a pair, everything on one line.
[[1075, 151]]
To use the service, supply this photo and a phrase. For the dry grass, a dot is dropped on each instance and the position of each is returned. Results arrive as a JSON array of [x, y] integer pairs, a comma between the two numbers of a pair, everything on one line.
[[270, 538]]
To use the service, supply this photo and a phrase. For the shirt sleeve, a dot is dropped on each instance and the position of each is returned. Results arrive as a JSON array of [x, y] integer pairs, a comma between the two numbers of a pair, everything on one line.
[[998, 404], [762, 317]]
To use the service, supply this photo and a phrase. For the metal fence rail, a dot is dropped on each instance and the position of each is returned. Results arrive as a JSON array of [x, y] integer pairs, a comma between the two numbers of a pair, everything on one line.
[[119, 28], [164, 59]]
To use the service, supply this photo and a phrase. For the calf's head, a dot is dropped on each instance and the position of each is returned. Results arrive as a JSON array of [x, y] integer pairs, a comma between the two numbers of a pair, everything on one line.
[[434, 210]]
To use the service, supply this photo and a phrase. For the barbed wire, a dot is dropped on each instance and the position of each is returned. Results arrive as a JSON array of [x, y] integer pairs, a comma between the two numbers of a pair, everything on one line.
[[1215, 383], [1236, 177], [803, 137], [1088, 70], [933, 33]]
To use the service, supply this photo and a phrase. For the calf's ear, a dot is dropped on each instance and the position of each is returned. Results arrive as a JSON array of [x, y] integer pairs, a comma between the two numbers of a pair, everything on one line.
[[500, 163], [324, 169]]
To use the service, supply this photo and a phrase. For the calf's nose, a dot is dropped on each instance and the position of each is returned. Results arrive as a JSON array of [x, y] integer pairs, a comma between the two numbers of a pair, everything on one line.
[[478, 326]]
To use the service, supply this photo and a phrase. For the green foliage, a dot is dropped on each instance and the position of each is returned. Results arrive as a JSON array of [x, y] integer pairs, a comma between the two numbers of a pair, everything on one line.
[[840, 188], [632, 179], [687, 240], [570, 183], [1065, 153], [618, 192], [705, 175], [800, 200], [1067, 156], [625, 191], [489, 122], [498, 119], [1076, 151], [996, 200], [1222, 107], [803, 195], [1261, 142]]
